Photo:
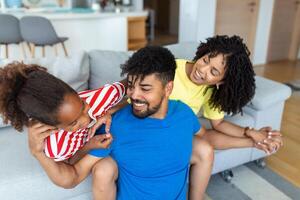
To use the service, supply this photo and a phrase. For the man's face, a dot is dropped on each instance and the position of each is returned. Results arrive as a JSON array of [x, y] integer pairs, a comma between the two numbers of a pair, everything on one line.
[[147, 96]]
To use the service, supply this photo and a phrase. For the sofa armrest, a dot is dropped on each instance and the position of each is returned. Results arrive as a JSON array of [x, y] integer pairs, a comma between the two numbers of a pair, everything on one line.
[[268, 93]]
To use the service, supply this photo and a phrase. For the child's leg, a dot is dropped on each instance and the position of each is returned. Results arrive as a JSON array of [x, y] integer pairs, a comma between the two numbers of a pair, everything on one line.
[[105, 174], [200, 169]]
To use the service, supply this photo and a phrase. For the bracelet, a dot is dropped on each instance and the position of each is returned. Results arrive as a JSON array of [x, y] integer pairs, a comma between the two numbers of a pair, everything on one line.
[[247, 128]]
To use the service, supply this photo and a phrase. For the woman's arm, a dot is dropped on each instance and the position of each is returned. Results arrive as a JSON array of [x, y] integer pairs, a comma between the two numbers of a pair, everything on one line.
[[227, 128], [264, 138]]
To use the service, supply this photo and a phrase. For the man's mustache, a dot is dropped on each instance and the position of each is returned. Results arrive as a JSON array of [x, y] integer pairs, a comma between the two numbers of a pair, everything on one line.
[[138, 101]]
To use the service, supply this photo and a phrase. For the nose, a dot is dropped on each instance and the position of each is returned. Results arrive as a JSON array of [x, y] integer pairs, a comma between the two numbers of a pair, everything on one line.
[[133, 93], [204, 70]]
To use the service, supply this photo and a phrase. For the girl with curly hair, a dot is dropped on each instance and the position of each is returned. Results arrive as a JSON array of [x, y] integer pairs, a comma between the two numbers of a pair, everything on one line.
[[32, 97]]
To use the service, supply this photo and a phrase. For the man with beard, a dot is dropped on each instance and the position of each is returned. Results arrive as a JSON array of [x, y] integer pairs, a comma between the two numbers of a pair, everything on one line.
[[152, 138]]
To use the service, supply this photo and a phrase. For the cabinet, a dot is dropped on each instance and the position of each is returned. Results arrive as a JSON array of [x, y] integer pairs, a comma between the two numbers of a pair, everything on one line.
[[136, 32]]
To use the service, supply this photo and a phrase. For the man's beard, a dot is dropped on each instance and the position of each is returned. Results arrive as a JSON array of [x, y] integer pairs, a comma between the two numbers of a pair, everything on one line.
[[146, 113]]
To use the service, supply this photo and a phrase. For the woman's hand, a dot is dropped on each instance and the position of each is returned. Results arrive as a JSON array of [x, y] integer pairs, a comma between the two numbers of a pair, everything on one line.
[[37, 133], [266, 139]]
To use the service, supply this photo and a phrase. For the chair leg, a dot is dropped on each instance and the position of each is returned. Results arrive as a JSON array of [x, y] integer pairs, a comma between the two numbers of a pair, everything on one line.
[[22, 50], [6, 50], [43, 51], [32, 50], [65, 50], [55, 50]]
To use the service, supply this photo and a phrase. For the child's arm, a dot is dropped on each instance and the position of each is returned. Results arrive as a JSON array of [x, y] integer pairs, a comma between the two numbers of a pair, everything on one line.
[[62, 174], [93, 143], [106, 119]]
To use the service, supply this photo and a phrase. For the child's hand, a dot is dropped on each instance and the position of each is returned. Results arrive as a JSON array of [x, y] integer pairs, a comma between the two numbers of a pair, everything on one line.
[[37, 133], [101, 141], [105, 119]]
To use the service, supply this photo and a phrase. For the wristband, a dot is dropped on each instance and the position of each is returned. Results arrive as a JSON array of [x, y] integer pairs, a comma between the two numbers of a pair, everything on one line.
[[246, 129]]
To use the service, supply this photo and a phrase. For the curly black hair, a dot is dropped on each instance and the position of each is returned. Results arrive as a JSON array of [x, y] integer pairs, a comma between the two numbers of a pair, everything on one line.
[[238, 86], [151, 60], [29, 92]]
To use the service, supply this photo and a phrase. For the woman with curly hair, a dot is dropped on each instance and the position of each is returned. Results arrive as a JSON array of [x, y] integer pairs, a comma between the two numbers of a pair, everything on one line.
[[32, 97], [220, 79]]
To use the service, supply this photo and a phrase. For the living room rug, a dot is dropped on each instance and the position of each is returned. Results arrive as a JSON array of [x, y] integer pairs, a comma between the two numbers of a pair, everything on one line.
[[250, 182]]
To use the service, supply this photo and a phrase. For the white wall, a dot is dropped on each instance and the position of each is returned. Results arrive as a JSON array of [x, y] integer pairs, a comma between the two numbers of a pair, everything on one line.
[[263, 31], [206, 19], [197, 22], [197, 19], [188, 27]]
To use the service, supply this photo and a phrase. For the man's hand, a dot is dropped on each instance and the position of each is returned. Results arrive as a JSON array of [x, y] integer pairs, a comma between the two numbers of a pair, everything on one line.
[[37, 133], [105, 119]]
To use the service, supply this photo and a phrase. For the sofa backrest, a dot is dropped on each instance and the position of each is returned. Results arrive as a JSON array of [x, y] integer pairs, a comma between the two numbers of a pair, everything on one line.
[[184, 50], [105, 67]]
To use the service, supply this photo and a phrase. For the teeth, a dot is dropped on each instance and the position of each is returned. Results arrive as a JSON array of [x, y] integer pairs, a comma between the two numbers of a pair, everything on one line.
[[198, 75], [138, 104]]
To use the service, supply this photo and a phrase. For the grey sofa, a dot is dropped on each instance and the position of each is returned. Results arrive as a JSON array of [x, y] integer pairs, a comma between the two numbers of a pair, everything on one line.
[[21, 177]]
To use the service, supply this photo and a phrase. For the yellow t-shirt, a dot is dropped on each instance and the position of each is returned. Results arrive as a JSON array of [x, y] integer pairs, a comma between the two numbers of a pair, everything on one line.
[[192, 94]]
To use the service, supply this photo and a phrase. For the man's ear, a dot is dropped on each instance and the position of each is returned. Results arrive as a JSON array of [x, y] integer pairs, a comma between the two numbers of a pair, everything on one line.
[[169, 88]]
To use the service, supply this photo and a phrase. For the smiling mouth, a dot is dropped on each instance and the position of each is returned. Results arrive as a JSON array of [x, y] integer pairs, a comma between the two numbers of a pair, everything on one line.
[[138, 106], [198, 76]]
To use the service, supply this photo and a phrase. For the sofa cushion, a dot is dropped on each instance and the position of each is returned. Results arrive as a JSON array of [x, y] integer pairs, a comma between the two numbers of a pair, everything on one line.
[[105, 67], [73, 70], [22, 177]]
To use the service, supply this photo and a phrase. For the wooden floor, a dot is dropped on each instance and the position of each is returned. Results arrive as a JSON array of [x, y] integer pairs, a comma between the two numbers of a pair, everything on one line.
[[287, 160]]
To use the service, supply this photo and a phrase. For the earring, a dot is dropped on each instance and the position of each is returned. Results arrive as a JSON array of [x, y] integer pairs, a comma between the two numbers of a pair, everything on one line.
[[217, 85]]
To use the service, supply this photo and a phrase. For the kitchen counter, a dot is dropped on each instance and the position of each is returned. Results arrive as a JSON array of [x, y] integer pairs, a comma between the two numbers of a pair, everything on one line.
[[87, 30], [76, 13]]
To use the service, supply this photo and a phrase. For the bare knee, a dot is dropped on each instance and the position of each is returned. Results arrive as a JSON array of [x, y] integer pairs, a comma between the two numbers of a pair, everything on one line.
[[202, 151], [105, 171]]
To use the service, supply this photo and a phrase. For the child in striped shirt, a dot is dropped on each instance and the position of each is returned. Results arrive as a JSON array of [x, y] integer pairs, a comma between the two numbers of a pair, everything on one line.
[[29, 94]]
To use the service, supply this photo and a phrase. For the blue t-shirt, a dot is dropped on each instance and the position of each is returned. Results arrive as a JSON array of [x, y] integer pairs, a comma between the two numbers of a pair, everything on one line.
[[153, 155]]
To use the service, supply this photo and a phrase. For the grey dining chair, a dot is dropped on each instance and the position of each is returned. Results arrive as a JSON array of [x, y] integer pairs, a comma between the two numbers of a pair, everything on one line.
[[10, 33], [38, 31]]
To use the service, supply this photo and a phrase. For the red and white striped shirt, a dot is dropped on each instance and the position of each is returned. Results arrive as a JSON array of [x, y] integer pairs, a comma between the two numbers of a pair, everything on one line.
[[63, 144]]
